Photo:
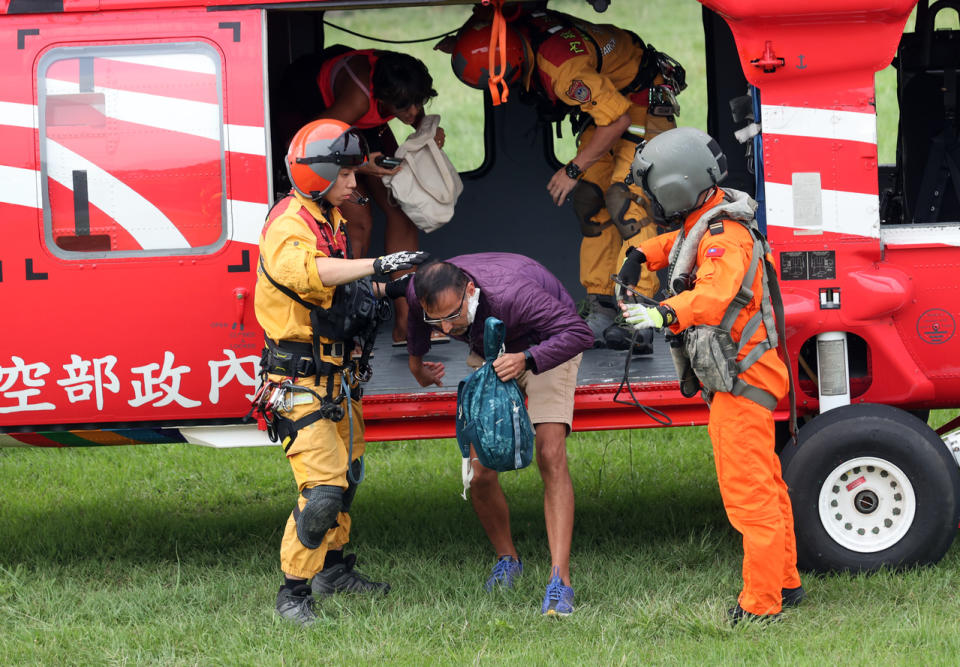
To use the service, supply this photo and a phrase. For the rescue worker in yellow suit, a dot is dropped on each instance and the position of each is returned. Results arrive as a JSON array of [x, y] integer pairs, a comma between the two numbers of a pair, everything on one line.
[[313, 301], [680, 171], [623, 90]]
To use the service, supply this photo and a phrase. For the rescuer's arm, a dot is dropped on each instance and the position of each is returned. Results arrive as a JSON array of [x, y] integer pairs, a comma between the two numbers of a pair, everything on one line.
[[577, 83], [337, 271], [561, 185]]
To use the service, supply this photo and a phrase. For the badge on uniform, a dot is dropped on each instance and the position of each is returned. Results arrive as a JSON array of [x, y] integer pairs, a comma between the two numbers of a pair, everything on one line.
[[579, 91], [715, 251]]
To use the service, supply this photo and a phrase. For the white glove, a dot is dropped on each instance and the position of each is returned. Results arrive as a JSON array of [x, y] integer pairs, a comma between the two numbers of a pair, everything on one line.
[[642, 317]]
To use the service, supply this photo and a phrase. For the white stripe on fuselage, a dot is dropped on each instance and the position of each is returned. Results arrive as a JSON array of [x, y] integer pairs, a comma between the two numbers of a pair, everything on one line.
[[842, 212], [151, 229], [19, 186], [819, 123]]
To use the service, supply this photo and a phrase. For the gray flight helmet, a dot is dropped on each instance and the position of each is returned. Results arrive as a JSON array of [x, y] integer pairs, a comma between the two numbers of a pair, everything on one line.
[[677, 170]]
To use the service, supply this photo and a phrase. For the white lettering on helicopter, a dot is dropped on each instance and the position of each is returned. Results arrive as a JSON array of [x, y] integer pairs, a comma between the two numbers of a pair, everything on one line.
[[91, 379], [29, 376], [80, 384], [233, 369]]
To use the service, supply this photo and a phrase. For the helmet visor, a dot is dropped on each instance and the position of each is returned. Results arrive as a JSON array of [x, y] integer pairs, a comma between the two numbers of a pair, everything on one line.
[[348, 150]]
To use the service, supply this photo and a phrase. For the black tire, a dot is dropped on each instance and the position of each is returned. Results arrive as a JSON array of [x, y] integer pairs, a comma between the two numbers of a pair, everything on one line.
[[893, 462], [785, 444]]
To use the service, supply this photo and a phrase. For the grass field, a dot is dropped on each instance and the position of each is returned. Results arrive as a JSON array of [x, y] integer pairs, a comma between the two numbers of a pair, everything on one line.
[[169, 555]]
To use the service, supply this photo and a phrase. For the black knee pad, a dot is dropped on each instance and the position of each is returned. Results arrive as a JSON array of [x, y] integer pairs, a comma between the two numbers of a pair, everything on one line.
[[617, 199], [587, 200], [319, 514]]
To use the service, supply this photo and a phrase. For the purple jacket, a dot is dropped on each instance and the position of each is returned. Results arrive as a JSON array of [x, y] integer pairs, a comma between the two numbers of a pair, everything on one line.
[[539, 314]]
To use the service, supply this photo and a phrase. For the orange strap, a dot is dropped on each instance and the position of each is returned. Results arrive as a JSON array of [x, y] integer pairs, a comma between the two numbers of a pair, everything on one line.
[[498, 41]]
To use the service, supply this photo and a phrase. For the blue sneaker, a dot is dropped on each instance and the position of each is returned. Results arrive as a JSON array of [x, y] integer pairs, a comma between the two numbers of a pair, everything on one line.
[[504, 572], [558, 600]]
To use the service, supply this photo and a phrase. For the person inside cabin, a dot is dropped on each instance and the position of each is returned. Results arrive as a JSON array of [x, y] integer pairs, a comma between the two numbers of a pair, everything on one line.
[[725, 296], [365, 89], [620, 91], [315, 302]]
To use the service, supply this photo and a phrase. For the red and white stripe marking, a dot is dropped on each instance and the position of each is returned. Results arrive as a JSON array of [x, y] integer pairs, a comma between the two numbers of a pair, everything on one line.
[[839, 146]]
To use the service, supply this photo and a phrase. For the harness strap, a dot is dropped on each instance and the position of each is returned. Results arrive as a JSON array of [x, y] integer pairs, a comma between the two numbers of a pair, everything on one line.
[[776, 299], [499, 91], [754, 354], [287, 429], [745, 293], [755, 394], [749, 329]]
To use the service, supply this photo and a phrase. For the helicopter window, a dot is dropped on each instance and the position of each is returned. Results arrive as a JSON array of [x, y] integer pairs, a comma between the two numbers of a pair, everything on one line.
[[132, 150]]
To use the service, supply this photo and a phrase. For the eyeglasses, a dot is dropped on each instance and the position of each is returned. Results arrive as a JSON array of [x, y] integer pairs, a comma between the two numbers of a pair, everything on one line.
[[452, 316]]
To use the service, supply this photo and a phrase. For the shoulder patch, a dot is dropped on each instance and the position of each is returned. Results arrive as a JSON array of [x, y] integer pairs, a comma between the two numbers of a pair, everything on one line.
[[716, 227], [715, 251], [579, 91]]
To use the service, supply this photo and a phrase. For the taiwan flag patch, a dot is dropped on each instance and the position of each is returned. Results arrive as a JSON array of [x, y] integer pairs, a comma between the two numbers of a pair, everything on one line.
[[714, 252], [579, 91]]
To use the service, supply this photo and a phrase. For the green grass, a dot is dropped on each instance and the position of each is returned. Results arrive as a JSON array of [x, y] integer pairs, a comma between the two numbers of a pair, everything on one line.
[[169, 555]]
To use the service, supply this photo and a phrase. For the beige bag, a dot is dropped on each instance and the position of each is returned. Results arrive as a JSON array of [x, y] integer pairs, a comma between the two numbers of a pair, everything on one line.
[[427, 185]]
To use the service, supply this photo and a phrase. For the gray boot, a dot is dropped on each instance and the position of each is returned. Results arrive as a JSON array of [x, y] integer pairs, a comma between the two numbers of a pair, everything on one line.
[[296, 604], [601, 312]]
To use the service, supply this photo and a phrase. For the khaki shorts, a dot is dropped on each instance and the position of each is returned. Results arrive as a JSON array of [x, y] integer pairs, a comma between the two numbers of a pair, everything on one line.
[[549, 394]]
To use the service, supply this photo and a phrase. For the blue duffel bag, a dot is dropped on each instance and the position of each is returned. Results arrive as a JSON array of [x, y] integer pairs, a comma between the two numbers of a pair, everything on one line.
[[491, 414]]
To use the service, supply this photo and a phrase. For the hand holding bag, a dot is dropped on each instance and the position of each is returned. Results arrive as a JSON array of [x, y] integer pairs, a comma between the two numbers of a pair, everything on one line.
[[492, 414], [427, 185]]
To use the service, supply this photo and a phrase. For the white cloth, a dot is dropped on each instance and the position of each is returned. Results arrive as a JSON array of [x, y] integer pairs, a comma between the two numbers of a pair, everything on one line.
[[427, 185]]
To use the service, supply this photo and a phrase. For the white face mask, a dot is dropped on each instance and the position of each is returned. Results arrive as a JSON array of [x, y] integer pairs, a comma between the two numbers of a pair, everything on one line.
[[472, 304]]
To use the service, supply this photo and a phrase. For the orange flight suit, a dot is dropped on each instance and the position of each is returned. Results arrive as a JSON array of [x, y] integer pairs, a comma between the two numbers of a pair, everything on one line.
[[742, 431], [319, 454]]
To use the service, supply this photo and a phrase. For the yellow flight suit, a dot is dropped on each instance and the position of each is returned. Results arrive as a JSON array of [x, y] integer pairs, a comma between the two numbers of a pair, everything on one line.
[[567, 66], [320, 454]]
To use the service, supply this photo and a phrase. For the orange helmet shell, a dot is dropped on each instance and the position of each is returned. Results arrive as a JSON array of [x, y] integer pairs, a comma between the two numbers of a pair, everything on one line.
[[318, 151], [471, 55]]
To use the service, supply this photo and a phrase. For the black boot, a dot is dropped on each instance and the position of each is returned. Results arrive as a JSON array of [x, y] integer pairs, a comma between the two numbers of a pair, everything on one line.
[[296, 604], [792, 596], [341, 577], [738, 614]]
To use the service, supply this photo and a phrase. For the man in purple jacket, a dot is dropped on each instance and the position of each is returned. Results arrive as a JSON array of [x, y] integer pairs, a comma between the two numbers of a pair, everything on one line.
[[544, 346]]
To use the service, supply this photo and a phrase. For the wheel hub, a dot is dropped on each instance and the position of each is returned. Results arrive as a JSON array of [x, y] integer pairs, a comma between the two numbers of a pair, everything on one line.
[[867, 504]]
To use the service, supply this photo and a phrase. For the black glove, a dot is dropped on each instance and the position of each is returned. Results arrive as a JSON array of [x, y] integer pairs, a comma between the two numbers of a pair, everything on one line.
[[397, 288], [384, 265], [632, 264]]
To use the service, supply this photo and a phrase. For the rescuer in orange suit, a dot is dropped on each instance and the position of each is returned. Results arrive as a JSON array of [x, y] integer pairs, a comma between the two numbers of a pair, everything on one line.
[[622, 90], [680, 171], [314, 302]]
